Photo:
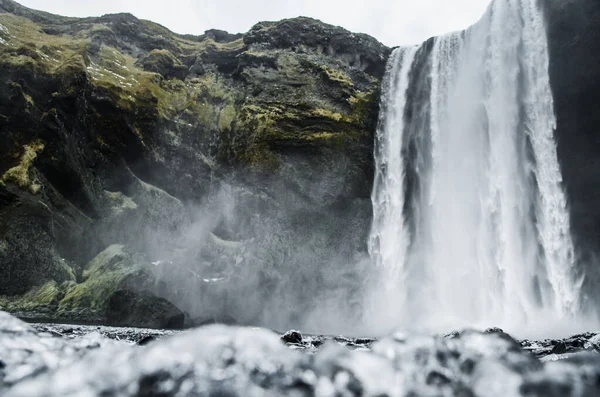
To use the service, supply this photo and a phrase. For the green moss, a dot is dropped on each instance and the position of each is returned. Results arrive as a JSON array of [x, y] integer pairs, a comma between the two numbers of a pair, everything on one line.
[[361, 103], [119, 75], [155, 28], [210, 103], [101, 277], [337, 76], [120, 202], [37, 298], [164, 63], [27, 46], [335, 116], [20, 174], [190, 43], [263, 126], [209, 43], [29, 100], [64, 272], [226, 117]]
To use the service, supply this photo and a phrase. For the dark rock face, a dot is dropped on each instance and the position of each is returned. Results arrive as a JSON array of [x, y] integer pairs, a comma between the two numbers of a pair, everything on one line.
[[574, 39], [240, 165], [358, 50], [142, 309]]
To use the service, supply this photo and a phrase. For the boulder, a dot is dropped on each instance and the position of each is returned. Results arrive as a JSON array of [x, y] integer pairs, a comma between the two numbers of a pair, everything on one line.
[[292, 337], [142, 309], [111, 271]]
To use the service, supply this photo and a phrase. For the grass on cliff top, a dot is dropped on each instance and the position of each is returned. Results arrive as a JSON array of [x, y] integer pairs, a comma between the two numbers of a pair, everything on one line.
[[203, 100], [189, 45], [25, 44]]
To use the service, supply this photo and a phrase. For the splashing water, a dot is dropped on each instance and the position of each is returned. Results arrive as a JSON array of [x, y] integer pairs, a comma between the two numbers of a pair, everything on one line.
[[490, 242]]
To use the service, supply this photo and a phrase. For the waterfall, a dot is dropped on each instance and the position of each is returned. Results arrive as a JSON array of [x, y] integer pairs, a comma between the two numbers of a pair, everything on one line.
[[389, 241], [490, 243]]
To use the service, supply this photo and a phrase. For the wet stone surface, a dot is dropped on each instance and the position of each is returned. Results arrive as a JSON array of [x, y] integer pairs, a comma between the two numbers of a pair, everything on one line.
[[216, 360]]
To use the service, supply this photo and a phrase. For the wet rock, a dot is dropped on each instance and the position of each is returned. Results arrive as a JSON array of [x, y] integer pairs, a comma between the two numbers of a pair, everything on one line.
[[142, 309], [145, 340], [111, 270], [130, 335], [559, 348], [27, 354], [292, 337], [593, 342], [301, 34], [493, 330], [453, 334], [237, 361]]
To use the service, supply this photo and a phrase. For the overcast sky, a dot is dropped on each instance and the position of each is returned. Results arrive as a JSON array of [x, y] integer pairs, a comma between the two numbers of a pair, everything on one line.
[[393, 22]]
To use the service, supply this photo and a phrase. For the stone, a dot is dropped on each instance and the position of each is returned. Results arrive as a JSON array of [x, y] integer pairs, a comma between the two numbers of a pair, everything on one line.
[[559, 348], [142, 309], [108, 361], [292, 337]]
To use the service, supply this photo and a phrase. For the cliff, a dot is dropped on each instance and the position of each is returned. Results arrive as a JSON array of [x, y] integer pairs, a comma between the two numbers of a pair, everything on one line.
[[234, 163]]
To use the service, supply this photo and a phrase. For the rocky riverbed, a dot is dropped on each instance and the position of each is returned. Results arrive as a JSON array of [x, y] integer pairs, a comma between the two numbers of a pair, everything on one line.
[[217, 360]]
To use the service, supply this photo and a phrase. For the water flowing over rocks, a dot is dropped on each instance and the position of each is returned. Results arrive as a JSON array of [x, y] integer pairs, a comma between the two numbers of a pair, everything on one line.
[[46, 360]]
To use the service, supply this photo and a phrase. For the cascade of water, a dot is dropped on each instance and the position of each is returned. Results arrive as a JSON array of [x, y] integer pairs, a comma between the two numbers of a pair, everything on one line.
[[494, 240], [389, 238]]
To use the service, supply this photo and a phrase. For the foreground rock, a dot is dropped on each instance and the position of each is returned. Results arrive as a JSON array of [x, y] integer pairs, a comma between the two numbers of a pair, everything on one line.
[[233, 361]]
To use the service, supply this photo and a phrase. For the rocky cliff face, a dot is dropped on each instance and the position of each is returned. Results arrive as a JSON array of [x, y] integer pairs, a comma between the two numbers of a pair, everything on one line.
[[574, 37], [228, 169]]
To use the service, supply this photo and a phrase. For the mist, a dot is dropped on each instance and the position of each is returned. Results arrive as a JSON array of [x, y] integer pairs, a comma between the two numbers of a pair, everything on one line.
[[280, 252]]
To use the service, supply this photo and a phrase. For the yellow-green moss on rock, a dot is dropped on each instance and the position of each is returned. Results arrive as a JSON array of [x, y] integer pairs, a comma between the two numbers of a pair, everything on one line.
[[21, 174], [271, 124], [38, 299], [165, 63], [101, 278]]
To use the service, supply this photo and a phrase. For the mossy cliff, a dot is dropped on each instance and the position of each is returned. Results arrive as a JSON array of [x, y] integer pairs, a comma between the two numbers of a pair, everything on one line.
[[114, 130]]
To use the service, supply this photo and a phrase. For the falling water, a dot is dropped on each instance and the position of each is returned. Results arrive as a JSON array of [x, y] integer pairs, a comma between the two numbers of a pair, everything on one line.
[[492, 244], [389, 240]]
